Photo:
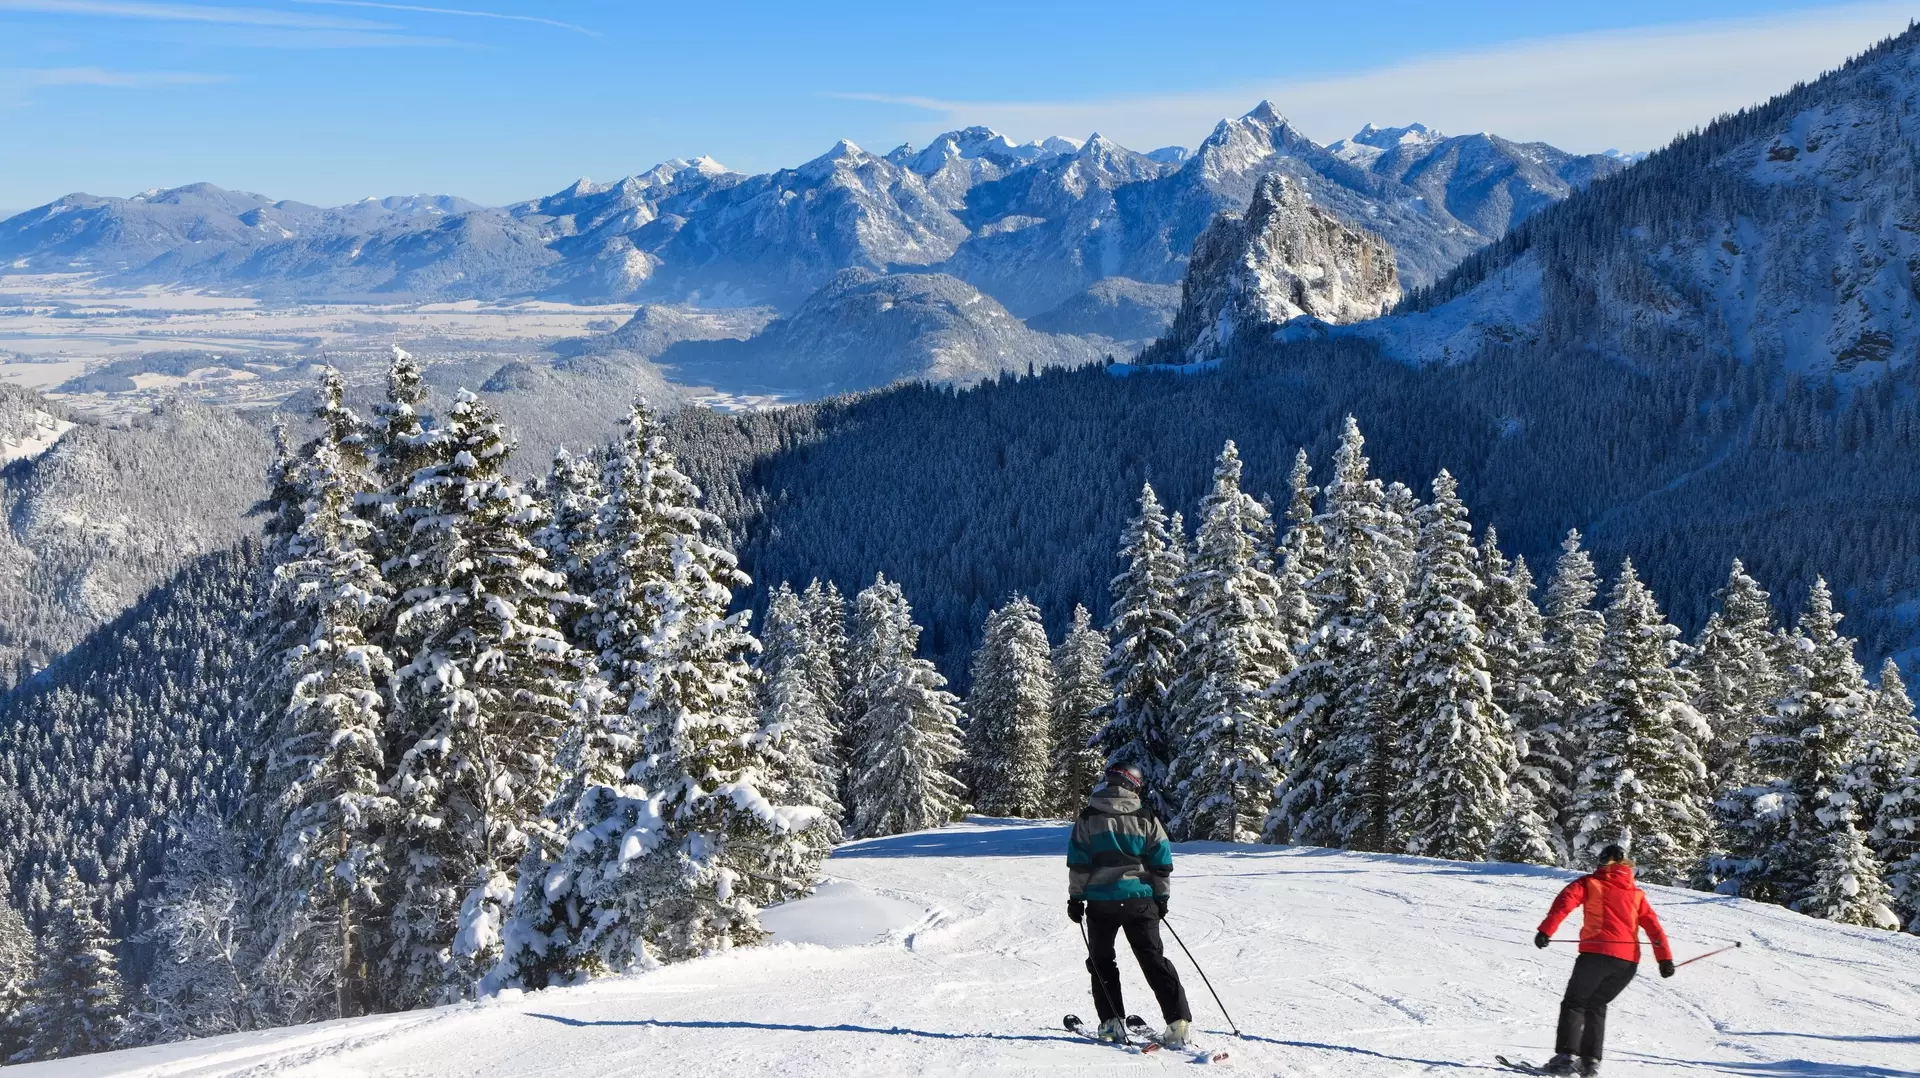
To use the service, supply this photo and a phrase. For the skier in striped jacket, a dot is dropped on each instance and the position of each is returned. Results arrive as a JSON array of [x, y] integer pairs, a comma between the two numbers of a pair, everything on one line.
[[1118, 866]]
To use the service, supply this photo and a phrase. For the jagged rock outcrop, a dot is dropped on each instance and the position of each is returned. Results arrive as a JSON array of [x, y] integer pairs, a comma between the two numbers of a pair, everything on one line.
[[1285, 258]]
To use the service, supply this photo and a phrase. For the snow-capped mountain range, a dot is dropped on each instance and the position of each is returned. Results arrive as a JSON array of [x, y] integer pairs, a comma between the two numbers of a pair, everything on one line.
[[1032, 225]]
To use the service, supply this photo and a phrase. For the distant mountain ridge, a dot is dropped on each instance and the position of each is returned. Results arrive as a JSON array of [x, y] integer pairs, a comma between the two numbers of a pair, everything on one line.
[[1032, 225]]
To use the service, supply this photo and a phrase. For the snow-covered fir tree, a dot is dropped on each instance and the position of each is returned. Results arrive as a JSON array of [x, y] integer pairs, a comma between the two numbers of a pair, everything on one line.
[[323, 803], [829, 662], [400, 445], [1009, 746], [689, 844], [1144, 659], [1525, 837], [1080, 698], [1514, 642], [1572, 633], [802, 740], [1887, 743], [1339, 743], [76, 1003], [217, 968], [1780, 829], [1897, 842], [1734, 662], [1224, 734], [906, 727], [16, 973], [1849, 883], [480, 706], [1644, 784], [570, 536], [1457, 741]]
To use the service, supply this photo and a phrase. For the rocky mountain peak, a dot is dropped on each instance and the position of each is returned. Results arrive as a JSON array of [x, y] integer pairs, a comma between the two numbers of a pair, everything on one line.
[[1285, 258]]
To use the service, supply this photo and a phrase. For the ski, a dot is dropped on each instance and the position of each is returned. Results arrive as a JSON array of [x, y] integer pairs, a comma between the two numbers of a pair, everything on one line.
[[1073, 1024], [1191, 1051], [1522, 1067]]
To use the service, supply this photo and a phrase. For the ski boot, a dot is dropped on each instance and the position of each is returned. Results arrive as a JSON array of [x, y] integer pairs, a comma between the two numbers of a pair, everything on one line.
[[1176, 1035], [1589, 1067], [1114, 1030], [1560, 1064]]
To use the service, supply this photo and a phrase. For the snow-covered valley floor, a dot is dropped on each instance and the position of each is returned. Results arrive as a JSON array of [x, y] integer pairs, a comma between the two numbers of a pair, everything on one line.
[[949, 952]]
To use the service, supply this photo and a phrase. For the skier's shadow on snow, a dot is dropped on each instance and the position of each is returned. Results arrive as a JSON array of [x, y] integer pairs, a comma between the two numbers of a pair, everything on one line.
[[1354, 1050], [794, 1027]]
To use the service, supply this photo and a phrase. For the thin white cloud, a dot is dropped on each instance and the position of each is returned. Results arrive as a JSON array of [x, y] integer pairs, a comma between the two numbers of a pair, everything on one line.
[[95, 76], [455, 11], [1632, 89], [200, 13]]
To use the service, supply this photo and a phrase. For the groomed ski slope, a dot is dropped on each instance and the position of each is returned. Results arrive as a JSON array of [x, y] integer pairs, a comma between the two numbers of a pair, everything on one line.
[[948, 952]]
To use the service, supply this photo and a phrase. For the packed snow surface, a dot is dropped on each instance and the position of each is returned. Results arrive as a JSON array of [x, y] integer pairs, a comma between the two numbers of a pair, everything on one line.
[[949, 952]]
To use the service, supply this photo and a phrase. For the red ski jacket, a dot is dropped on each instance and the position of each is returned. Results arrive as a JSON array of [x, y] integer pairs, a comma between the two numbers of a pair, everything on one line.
[[1614, 910]]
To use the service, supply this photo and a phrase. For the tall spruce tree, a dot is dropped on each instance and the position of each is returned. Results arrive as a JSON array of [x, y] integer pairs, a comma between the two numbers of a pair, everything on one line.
[[1897, 841], [1338, 743], [1514, 644], [480, 706], [1080, 697], [679, 661], [906, 728], [1146, 653], [1457, 740], [1792, 832], [1888, 741], [1573, 631], [1734, 663], [324, 805], [570, 536], [1010, 712], [76, 1003], [1644, 784], [1222, 770], [17, 971], [803, 740]]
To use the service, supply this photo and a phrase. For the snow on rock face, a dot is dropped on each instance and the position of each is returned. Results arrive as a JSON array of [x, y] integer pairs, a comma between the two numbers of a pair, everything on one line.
[[1285, 258], [1789, 233], [1333, 964]]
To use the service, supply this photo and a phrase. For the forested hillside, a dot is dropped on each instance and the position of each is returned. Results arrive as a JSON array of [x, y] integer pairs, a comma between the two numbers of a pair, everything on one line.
[[1022, 484]]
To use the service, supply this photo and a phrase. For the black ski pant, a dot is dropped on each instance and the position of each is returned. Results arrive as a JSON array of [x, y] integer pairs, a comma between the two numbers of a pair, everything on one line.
[[1597, 979], [1141, 920]]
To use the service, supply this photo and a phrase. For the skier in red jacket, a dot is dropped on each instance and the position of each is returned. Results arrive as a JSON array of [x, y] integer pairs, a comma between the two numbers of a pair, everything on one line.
[[1614, 911]]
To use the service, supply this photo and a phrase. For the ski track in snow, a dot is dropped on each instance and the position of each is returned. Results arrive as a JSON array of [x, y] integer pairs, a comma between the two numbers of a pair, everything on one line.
[[950, 954]]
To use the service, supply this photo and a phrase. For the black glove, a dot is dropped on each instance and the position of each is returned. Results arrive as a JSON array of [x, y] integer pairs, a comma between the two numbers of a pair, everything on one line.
[[1076, 909], [1666, 967], [1541, 939], [1160, 901]]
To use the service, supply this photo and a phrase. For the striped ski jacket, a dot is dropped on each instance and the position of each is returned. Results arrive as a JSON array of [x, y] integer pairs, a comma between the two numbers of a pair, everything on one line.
[[1118, 850]]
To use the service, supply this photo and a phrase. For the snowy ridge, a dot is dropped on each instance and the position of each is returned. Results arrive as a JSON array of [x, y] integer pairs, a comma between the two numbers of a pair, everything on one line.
[[948, 952], [1785, 234]]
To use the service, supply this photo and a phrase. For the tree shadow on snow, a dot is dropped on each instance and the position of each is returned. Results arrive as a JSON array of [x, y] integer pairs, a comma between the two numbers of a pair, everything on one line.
[[1002, 838], [794, 1027], [1791, 1068]]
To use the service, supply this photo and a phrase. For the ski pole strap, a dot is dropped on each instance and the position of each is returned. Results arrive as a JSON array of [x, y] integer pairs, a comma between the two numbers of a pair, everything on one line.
[[1709, 954]]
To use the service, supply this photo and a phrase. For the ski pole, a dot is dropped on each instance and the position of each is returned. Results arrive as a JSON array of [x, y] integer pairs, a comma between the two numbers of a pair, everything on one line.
[[1098, 981], [1709, 954], [1203, 977]]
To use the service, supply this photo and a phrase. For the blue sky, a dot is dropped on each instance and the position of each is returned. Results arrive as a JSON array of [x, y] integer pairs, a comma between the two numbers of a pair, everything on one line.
[[331, 100]]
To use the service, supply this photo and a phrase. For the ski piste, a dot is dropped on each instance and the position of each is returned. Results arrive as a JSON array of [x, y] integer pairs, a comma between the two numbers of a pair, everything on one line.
[[1198, 1054], [1072, 1024]]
